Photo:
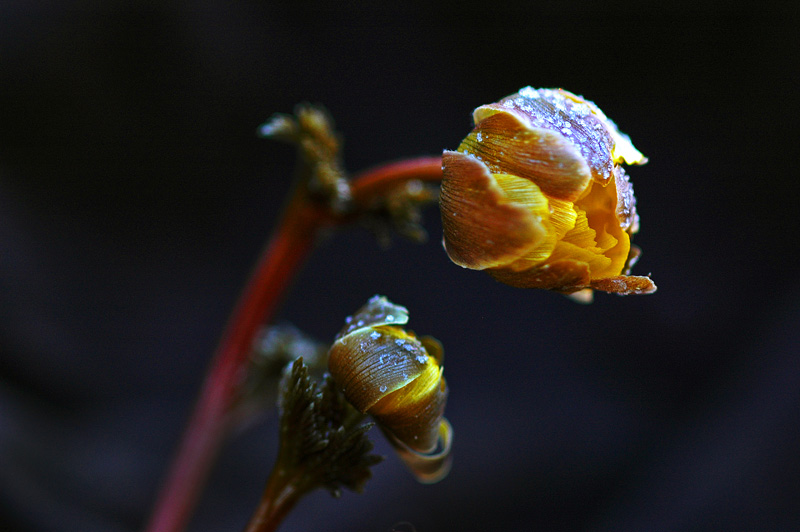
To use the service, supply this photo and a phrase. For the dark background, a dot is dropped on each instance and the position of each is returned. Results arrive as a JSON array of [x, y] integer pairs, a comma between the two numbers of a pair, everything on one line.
[[135, 196]]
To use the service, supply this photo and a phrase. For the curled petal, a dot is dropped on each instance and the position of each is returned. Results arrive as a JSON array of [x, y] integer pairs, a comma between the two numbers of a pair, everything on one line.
[[427, 467], [482, 226], [546, 157]]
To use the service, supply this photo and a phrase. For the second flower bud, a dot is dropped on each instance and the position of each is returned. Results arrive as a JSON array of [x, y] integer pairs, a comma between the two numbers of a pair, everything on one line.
[[390, 374]]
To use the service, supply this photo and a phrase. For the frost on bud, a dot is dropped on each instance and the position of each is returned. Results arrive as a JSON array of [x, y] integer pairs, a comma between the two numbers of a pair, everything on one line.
[[536, 195], [390, 374]]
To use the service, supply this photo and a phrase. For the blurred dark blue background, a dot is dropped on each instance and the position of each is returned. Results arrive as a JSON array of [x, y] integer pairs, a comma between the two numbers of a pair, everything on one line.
[[135, 196]]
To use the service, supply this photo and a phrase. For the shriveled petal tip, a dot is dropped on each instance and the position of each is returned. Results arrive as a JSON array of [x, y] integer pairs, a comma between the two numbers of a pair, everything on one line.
[[427, 468], [625, 285], [482, 227], [633, 257], [622, 150], [562, 275], [545, 156]]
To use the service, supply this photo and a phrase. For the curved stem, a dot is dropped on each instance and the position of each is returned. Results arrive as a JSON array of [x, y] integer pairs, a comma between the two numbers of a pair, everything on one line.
[[280, 496], [208, 425], [290, 245], [375, 182]]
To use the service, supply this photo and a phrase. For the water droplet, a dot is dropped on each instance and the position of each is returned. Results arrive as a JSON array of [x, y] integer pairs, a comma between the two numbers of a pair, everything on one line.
[[375, 335], [383, 388]]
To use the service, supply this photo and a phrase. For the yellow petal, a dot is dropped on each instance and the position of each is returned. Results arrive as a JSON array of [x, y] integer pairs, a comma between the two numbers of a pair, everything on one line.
[[616, 248], [519, 190], [562, 219], [562, 216], [484, 227], [596, 261], [610, 239], [581, 235]]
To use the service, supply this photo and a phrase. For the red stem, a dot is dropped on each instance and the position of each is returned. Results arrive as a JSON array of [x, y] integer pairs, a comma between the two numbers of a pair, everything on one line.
[[207, 427], [280, 496], [375, 182], [289, 246]]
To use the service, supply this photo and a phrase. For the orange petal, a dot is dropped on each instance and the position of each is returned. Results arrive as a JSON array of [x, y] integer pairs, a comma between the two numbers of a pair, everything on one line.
[[546, 157], [370, 363], [413, 412], [482, 226], [587, 127], [563, 275]]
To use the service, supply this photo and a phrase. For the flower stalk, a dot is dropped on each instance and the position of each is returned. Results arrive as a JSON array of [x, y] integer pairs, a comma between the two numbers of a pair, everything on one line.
[[323, 444], [290, 245], [209, 423], [280, 496]]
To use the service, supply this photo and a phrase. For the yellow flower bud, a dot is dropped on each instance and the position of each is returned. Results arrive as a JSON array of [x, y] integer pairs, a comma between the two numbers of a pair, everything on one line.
[[536, 196], [390, 374]]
